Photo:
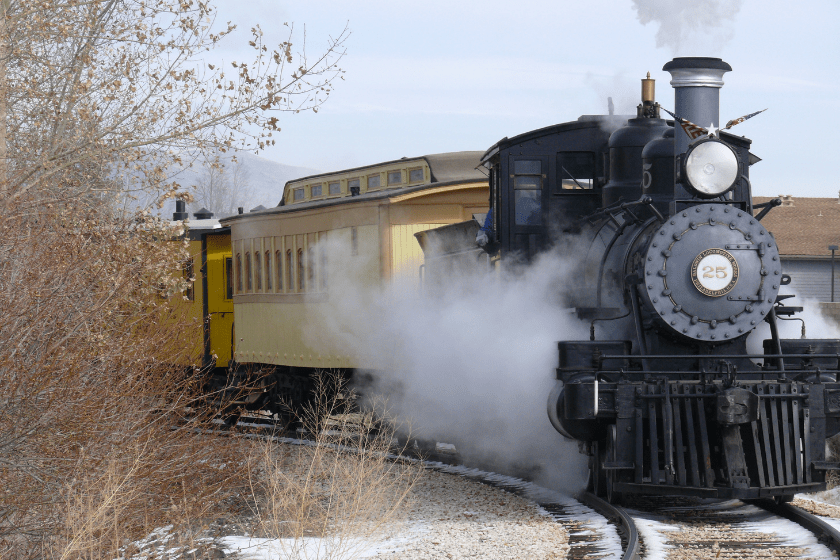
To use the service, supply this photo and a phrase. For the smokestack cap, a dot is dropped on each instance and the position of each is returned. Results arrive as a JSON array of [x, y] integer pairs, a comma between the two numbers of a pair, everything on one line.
[[203, 214], [697, 71]]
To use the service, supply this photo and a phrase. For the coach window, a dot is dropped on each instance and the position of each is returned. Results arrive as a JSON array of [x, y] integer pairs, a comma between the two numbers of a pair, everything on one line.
[[238, 273], [278, 258], [229, 278], [258, 271], [415, 175], [527, 185], [335, 188], [249, 280], [298, 194], [373, 182], [290, 267], [575, 170], [301, 271], [268, 278], [316, 190], [394, 178]]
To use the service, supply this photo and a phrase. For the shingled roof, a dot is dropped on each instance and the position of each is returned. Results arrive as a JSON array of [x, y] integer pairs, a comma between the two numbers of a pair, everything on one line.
[[804, 226]]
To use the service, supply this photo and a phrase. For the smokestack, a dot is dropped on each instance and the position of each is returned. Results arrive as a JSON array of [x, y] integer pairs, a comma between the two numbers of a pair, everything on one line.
[[696, 82], [180, 211]]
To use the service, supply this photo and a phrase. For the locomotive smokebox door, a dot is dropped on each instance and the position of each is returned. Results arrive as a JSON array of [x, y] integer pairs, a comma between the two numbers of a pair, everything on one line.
[[711, 273]]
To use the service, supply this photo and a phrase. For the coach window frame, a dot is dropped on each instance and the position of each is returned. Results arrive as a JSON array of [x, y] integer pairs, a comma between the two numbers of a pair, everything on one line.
[[290, 271], [373, 177], [249, 278], [257, 271], [301, 270], [239, 283], [397, 172], [416, 181], [269, 281], [228, 278]]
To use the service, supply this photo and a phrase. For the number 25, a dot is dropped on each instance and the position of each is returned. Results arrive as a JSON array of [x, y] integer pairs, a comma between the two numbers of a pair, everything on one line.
[[711, 272]]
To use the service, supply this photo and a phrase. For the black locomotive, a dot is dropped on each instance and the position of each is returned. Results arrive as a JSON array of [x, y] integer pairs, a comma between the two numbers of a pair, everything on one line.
[[664, 396]]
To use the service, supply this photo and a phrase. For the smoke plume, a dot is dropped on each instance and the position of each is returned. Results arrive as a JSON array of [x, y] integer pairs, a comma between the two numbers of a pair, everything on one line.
[[471, 363], [699, 28]]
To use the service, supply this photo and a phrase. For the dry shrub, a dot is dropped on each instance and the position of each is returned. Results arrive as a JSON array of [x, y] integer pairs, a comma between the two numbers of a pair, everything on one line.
[[329, 496], [94, 446]]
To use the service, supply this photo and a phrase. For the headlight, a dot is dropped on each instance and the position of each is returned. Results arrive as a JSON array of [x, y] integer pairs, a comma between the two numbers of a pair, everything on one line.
[[711, 168]]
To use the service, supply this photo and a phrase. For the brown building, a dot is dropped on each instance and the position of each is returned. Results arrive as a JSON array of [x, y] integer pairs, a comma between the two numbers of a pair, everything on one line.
[[804, 228]]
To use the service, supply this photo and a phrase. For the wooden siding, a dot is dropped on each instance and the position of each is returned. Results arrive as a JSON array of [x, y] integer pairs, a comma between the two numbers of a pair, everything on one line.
[[812, 278]]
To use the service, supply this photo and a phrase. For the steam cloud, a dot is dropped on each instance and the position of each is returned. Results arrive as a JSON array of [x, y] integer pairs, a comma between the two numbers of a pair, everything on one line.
[[698, 28], [471, 364]]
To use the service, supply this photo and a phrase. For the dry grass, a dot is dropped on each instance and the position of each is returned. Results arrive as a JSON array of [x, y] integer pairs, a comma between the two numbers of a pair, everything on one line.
[[329, 498], [94, 446]]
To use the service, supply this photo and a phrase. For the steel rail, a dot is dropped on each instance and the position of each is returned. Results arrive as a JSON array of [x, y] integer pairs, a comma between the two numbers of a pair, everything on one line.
[[633, 549], [823, 530]]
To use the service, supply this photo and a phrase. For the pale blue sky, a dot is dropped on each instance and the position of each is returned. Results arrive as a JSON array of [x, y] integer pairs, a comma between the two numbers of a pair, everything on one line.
[[444, 76]]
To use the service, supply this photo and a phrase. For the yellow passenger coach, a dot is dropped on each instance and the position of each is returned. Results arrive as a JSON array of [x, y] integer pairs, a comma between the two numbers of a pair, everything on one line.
[[291, 263]]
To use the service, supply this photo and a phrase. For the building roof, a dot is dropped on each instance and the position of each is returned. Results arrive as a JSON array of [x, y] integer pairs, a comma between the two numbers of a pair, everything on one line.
[[804, 226]]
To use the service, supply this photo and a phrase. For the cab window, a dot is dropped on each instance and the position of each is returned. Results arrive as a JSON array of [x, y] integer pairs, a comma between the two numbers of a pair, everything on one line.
[[527, 188], [575, 171]]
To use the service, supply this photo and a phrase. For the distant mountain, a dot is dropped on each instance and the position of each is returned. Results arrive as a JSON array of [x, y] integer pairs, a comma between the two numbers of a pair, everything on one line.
[[265, 179]]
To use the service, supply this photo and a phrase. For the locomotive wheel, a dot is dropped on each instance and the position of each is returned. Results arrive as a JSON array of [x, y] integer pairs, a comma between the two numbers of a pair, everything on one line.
[[613, 496], [787, 498], [597, 475]]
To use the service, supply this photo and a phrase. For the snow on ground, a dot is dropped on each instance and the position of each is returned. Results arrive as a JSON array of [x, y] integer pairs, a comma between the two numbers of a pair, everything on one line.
[[448, 517]]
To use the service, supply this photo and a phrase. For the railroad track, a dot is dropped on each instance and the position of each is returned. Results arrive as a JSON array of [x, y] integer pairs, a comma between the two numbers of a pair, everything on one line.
[[686, 528], [676, 527]]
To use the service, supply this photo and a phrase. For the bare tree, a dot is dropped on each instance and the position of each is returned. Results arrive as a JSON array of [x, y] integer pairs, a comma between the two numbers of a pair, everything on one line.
[[120, 81], [97, 99], [223, 188]]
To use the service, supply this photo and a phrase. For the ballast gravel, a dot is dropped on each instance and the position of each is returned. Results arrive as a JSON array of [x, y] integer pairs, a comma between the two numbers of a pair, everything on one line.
[[452, 517]]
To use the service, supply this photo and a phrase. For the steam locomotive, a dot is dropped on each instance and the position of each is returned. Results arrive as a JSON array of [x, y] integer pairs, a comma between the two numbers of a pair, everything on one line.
[[678, 271]]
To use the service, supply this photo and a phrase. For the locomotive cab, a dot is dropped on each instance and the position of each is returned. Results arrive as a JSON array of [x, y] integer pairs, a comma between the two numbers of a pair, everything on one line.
[[543, 182]]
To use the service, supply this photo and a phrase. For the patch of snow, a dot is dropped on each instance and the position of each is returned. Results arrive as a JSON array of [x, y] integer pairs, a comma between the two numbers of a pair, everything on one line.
[[651, 532], [308, 548], [831, 497], [789, 533], [590, 520]]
